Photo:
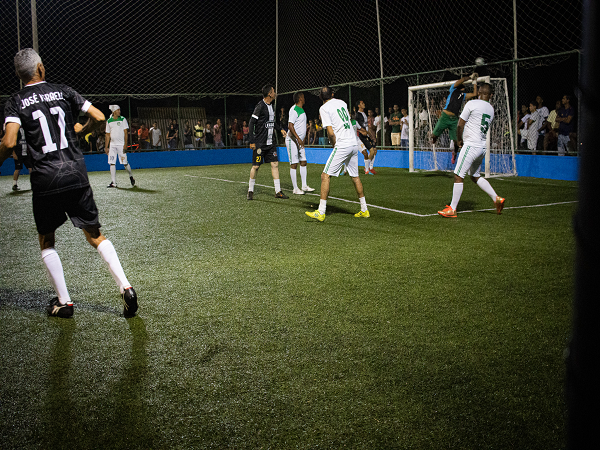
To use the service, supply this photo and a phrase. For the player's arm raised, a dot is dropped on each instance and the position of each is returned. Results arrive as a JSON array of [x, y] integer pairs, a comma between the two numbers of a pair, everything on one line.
[[94, 116], [461, 81], [459, 132], [9, 140]]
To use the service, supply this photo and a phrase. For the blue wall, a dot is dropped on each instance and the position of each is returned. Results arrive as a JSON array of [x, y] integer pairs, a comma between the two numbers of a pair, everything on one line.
[[538, 166]]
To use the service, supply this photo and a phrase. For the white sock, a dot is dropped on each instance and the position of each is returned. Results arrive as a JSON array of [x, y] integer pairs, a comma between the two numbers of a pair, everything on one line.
[[456, 193], [293, 177], [113, 173], [322, 206], [373, 161], [367, 164], [128, 167], [251, 184], [303, 176], [14, 182], [363, 204], [487, 188], [109, 254], [277, 185], [54, 269]]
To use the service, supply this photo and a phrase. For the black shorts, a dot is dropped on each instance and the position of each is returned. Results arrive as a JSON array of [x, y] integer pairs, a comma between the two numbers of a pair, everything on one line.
[[51, 211], [20, 161], [264, 154], [369, 143]]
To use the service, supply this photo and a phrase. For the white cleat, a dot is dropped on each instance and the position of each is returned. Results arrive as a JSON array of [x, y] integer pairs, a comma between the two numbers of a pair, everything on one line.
[[298, 191], [307, 189]]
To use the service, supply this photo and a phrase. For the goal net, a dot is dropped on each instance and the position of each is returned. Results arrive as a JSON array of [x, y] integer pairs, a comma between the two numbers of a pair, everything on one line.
[[425, 104]]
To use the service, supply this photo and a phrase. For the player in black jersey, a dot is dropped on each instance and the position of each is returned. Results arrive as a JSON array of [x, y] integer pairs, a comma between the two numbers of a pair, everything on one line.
[[449, 118], [363, 135], [59, 178], [262, 142]]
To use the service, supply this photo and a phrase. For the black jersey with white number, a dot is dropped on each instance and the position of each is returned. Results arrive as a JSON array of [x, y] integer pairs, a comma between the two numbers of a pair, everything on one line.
[[47, 113], [262, 124]]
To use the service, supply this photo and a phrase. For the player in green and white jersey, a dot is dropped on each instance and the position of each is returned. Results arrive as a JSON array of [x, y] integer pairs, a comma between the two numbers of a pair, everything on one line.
[[116, 144], [294, 143]]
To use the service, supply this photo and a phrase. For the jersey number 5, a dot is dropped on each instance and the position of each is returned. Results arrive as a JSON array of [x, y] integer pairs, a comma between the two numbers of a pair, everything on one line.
[[51, 146], [485, 123]]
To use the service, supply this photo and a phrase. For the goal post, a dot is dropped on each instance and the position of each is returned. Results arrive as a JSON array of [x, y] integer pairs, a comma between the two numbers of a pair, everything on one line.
[[425, 104]]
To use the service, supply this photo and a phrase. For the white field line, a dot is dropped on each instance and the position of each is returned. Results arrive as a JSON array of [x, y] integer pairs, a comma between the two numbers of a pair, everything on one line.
[[391, 209]]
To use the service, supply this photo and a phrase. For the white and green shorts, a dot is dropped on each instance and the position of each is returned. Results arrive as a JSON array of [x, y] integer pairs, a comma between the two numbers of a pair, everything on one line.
[[469, 161], [341, 156], [296, 155], [114, 151]]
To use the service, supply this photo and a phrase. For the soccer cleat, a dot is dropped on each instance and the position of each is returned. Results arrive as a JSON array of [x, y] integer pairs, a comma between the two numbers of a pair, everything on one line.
[[307, 189], [16, 188], [499, 204], [298, 191], [57, 310], [447, 212], [250, 195], [132, 181], [366, 172], [316, 215], [372, 172], [280, 194], [364, 214], [130, 305], [111, 185]]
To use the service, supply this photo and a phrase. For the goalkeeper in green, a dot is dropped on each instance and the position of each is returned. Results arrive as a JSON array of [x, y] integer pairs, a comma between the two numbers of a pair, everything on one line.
[[449, 118]]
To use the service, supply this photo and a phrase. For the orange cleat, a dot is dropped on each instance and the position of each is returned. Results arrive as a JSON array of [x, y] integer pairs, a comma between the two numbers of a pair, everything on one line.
[[373, 172], [499, 204], [447, 212]]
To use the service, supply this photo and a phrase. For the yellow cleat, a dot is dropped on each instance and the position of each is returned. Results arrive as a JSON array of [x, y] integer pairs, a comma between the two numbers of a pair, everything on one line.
[[316, 215], [364, 214]]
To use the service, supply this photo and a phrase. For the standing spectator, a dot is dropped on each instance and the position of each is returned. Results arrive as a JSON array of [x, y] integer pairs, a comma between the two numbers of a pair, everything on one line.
[[218, 134], [234, 130], [199, 134], [371, 125], [523, 124], [552, 129], [283, 121], [187, 136], [424, 123], [404, 132], [143, 134], [395, 122], [155, 135], [176, 127], [209, 138], [133, 141], [533, 125], [20, 156], [172, 137], [388, 127], [239, 137], [100, 143], [378, 126], [542, 124], [565, 124], [246, 131]]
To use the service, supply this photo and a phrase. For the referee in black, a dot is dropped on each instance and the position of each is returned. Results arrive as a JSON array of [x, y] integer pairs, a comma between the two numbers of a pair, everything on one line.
[[59, 179], [262, 142]]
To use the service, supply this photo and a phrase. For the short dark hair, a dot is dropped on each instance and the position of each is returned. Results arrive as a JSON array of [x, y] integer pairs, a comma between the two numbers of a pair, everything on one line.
[[569, 98], [297, 96], [326, 93], [358, 102], [488, 89], [266, 89]]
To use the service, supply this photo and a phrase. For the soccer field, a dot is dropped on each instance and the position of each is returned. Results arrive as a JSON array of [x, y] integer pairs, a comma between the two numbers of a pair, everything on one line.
[[262, 328]]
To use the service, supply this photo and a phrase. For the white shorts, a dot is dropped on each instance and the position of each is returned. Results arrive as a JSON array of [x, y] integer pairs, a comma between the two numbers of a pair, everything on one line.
[[469, 161], [294, 154], [341, 156], [115, 150]]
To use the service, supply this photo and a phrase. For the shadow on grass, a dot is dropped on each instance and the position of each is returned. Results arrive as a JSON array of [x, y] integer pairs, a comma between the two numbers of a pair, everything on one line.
[[19, 192], [137, 190], [439, 174], [120, 419], [25, 299]]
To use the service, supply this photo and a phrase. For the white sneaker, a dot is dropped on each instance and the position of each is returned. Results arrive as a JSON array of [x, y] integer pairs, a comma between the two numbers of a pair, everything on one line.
[[298, 191], [307, 189]]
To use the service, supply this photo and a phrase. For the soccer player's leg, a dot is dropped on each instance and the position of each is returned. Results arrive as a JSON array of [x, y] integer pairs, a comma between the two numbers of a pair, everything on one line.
[[303, 171], [464, 163], [441, 125], [49, 215], [452, 134], [293, 156], [485, 186], [271, 157], [352, 167], [333, 166], [112, 161], [257, 160], [123, 160], [372, 155]]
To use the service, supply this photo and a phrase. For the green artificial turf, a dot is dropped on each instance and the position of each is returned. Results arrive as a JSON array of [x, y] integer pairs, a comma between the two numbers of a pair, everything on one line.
[[262, 328]]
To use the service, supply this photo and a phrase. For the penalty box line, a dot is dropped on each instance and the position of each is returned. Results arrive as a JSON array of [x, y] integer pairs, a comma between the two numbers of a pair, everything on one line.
[[396, 210]]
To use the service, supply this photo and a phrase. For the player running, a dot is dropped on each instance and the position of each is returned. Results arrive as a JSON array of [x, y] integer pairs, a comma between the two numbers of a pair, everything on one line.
[[59, 178], [336, 119], [370, 150], [263, 148], [116, 144], [475, 120], [294, 143], [449, 117]]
